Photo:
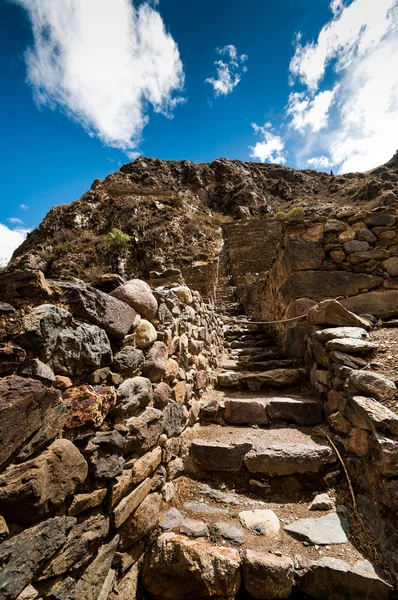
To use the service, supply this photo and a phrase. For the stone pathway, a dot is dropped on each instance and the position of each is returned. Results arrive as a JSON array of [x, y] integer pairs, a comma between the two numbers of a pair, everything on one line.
[[257, 478]]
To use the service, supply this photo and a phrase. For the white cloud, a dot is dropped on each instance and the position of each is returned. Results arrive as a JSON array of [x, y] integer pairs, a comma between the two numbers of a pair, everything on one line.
[[356, 122], [104, 62], [24, 207], [229, 73], [271, 148], [319, 162], [311, 113], [353, 31], [15, 221], [10, 239]]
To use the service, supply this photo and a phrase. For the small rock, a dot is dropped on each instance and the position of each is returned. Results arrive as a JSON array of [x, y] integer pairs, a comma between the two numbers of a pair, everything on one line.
[[321, 502], [232, 534], [145, 334], [265, 518]]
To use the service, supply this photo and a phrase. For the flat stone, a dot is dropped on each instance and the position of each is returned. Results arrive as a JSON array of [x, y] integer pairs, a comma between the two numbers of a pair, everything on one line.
[[266, 576], [261, 521], [245, 411], [376, 254], [297, 410], [200, 507], [366, 413], [29, 593], [372, 384], [82, 502], [215, 456], [193, 528], [142, 522], [5, 307], [334, 579], [330, 529], [91, 582], [386, 452], [276, 378], [35, 488], [23, 556], [322, 502], [333, 333], [52, 426], [234, 535], [286, 459], [130, 503], [24, 405], [342, 358], [318, 284], [168, 571], [144, 467], [229, 379], [109, 313], [171, 520], [351, 345], [301, 255], [331, 312], [380, 220]]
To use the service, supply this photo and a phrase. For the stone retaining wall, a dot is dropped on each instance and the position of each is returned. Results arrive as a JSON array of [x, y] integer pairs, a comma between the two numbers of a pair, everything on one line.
[[95, 390], [358, 404], [352, 256]]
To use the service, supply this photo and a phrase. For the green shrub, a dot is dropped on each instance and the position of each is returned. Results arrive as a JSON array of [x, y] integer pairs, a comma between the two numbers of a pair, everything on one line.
[[117, 239]]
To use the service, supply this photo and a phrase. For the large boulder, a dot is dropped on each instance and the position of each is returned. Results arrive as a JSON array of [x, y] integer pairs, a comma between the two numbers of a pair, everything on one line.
[[128, 360], [23, 556], [138, 295], [68, 347], [113, 315], [24, 405], [382, 304], [178, 568], [266, 576], [331, 312], [132, 394], [37, 487]]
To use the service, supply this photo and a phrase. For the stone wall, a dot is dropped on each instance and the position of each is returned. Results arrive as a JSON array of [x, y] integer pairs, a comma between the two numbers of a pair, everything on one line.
[[358, 403], [95, 390], [352, 256]]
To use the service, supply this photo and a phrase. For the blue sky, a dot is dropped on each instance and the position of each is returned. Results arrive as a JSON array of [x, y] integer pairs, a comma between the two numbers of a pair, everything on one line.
[[88, 86]]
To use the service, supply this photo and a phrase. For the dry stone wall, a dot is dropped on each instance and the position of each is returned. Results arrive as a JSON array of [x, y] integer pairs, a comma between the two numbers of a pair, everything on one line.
[[352, 256], [95, 391]]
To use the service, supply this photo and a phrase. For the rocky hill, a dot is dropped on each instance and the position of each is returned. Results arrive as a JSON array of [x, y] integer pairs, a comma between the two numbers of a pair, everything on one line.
[[172, 213]]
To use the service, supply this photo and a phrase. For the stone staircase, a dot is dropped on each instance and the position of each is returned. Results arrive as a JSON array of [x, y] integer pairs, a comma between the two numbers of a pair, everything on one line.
[[226, 300], [256, 468]]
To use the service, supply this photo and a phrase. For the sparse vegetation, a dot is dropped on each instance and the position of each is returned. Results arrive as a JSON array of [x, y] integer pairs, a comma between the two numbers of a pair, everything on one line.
[[214, 533], [117, 239], [297, 212]]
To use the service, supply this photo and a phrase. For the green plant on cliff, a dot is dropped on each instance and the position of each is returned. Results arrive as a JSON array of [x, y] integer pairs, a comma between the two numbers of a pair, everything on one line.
[[118, 240], [296, 212]]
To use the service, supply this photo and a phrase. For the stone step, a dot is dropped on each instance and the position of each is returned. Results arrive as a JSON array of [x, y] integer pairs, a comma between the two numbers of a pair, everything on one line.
[[233, 364], [272, 452], [243, 546], [278, 378], [261, 411], [253, 350], [252, 343]]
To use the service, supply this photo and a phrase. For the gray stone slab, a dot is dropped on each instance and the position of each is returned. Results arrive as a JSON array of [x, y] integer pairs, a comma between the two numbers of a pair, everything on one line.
[[330, 529]]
